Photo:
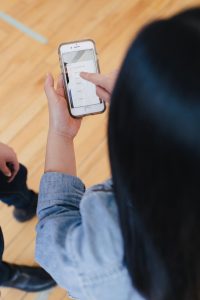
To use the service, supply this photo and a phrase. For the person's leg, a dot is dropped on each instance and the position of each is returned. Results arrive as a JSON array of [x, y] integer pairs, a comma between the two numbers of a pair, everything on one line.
[[16, 192], [29, 279], [4, 268]]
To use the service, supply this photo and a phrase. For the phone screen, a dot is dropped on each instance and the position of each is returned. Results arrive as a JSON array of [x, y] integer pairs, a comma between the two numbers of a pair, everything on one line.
[[81, 92]]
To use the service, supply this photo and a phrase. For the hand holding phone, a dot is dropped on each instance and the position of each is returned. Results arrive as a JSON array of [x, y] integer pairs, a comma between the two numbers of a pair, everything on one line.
[[77, 57], [60, 121], [60, 156]]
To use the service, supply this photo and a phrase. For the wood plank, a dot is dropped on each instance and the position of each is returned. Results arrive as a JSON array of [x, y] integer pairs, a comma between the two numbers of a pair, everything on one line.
[[24, 114]]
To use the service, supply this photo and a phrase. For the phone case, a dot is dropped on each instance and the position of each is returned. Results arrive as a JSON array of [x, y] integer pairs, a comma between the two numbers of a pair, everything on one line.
[[65, 88]]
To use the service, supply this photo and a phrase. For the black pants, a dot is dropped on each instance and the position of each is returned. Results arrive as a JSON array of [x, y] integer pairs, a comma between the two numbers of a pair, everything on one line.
[[17, 194]]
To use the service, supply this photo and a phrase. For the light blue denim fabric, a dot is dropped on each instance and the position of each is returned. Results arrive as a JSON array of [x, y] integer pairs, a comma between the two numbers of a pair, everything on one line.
[[79, 241]]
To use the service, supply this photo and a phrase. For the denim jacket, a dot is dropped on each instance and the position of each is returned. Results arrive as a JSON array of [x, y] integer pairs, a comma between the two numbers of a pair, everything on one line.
[[79, 241]]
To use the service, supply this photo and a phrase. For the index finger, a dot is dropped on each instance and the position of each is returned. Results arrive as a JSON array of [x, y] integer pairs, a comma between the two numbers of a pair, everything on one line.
[[95, 78]]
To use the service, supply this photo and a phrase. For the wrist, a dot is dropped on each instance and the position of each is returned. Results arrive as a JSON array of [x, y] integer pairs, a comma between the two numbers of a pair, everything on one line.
[[54, 134], [60, 156]]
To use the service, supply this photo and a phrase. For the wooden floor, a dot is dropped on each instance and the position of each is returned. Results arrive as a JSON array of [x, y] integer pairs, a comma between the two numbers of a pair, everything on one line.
[[23, 115]]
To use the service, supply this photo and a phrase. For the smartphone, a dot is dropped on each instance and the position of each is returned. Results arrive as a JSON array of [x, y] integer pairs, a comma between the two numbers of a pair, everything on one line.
[[76, 57]]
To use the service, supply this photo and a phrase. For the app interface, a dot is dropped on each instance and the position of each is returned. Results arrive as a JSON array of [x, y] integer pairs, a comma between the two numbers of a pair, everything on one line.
[[81, 92]]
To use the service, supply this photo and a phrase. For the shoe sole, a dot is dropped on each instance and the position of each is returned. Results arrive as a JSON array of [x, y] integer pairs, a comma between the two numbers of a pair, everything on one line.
[[39, 289]]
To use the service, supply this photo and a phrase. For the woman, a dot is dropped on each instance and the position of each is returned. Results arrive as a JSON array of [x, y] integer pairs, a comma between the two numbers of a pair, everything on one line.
[[137, 238]]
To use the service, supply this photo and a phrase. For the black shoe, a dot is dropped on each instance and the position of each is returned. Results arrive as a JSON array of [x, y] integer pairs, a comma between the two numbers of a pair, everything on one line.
[[28, 279], [25, 214]]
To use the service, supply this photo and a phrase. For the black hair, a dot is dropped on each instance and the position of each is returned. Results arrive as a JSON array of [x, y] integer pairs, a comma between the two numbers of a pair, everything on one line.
[[154, 149]]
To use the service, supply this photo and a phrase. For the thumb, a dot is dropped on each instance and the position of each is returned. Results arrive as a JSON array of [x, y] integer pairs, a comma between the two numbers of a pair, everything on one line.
[[49, 88], [5, 170]]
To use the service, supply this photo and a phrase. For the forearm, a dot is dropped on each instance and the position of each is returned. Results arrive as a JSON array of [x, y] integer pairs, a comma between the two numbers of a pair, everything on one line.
[[60, 156]]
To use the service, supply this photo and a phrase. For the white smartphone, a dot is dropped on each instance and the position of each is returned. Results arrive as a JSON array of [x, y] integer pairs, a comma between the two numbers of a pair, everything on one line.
[[76, 57]]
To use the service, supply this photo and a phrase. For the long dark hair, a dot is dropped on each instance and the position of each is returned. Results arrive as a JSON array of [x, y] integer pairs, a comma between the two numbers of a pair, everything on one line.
[[154, 148]]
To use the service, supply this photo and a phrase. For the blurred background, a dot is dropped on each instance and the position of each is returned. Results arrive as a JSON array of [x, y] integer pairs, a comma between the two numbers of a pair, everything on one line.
[[30, 32]]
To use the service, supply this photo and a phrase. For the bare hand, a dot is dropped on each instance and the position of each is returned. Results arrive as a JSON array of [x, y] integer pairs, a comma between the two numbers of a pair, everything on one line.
[[60, 121], [8, 157], [104, 83]]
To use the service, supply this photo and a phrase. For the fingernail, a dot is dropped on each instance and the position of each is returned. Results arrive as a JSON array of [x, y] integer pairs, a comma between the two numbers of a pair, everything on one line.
[[8, 174]]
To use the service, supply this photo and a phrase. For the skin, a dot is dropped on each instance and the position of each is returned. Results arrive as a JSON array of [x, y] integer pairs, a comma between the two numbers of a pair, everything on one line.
[[60, 156], [8, 156], [104, 83]]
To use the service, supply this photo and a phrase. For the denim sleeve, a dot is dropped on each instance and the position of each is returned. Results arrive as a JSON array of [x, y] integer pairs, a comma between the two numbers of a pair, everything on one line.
[[79, 240], [58, 213]]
